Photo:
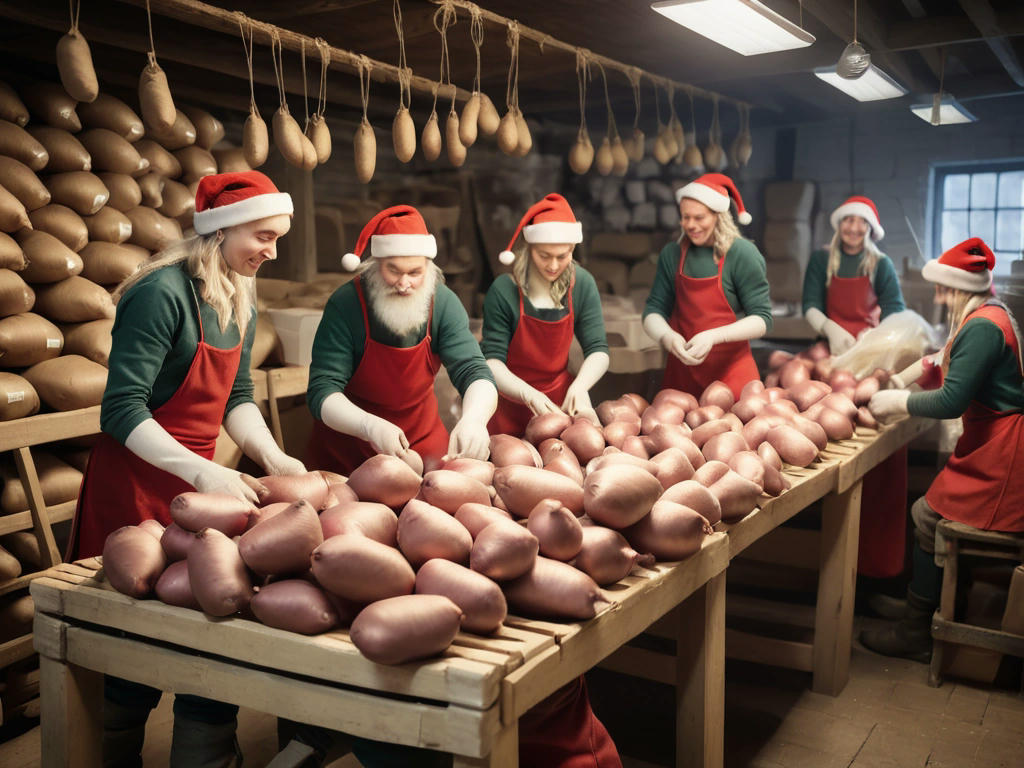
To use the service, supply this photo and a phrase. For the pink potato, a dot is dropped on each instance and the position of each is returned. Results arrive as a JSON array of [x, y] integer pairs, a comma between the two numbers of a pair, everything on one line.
[[661, 413], [176, 542], [367, 518], [475, 468], [311, 486], [749, 465], [670, 532], [194, 511], [449, 490], [606, 556], [812, 430], [841, 403], [709, 429], [521, 488], [705, 413], [584, 439], [792, 445], [545, 425], [386, 480], [769, 455], [568, 466], [778, 358], [723, 446], [865, 418], [748, 407], [481, 600], [617, 431], [638, 401], [555, 590], [153, 527], [503, 550], [682, 400], [619, 495], [609, 411], [174, 588], [717, 393], [792, 373], [405, 628], [426, 532], [865, 388], [133, 560], [673, 466], [635, 447], [361, 569], [752, 388], [220, 581], [507, 450], [736, 494], [476, 517], [615, 456], [690, 493], [557, 530], [295, 605], [283, 543], [835, 424]]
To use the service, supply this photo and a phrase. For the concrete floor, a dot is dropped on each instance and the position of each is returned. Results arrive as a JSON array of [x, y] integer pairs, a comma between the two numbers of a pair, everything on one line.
[[886, 717]]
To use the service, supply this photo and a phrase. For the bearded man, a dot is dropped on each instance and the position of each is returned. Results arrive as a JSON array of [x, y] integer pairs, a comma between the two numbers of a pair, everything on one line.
[[377, 351]]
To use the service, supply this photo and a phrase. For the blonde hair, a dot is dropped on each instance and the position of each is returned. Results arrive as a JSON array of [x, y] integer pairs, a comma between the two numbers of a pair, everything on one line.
[[868, 261], [226, 291], [521, 269], [724, 234]]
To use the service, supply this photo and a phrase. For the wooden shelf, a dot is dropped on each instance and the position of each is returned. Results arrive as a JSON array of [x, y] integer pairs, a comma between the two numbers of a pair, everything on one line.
[[20, 521], [15, 650]]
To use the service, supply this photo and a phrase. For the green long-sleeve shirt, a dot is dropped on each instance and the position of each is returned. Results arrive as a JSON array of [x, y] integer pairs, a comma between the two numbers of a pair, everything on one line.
[[744, 279], [155, 337], [981, 367], [341, 339], [501, 315], [885, 282]]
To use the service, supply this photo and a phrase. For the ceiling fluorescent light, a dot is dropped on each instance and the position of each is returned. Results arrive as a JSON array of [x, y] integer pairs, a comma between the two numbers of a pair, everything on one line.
[[872, 85], [746, 26], [951, 112]]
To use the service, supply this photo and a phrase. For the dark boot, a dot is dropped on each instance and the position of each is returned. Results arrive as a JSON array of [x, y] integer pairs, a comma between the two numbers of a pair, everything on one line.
[[910, 637], [124, 730], [196, 744]]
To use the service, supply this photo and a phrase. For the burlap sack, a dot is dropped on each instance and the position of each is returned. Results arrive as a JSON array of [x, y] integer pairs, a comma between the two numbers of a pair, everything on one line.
[[178, 201], [11, 256], [15, 295], [11, 106], [181, 134], [151, 229], [58, 480], [18, 398], [22, 182], [152, 187], [68, 382], [66, 153], [230, 159], [160, 160], [61, 222], [124, 191], [91, 340], [111, 152], [110, 263], [82, 191], [49, 103], [114, 115], [209, 130], [74, 300], [49, 260], [27, 339], [10, 568], [108, 225], [18, 143], [13, 215], [196, 162]]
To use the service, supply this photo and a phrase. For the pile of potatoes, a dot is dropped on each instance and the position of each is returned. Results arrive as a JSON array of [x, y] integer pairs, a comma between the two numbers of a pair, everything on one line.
[[408, 560], [87, 193]]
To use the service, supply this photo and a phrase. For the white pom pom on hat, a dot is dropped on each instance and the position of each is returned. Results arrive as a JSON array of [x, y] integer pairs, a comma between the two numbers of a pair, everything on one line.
[[549, 220], [716, 191], [395, 231]]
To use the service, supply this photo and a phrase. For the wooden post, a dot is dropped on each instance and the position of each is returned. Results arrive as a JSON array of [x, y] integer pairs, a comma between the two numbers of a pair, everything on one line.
[[700, 677], [37, 507], [833, 618], [504, 751]]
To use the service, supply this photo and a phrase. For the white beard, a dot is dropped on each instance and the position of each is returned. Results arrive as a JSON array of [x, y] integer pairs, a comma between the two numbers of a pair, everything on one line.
[[400, 314]]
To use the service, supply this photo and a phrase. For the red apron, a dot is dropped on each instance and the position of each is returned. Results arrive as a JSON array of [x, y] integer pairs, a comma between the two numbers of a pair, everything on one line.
[[982, 484], [562, 731], [396, 384], [700, 305], [851, 302], [121, 489], [538, 354]]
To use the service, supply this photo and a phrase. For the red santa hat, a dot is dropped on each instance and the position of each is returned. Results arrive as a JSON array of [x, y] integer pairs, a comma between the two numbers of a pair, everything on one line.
[[967, 266], [395, 231], [228, 199], [715, 190], [859, 206], [550, 220]]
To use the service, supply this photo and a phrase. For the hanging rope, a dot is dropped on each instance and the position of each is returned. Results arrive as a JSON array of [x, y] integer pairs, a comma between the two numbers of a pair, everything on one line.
[[365, 68], [305, 87], [444, 17], [325, 60], [693, 115], [74, 10], [277, 54], [657, 105], [476, 34], [151, 55], [404, 73], [855, 21], [582, 75], [512, 87], [634, 79], [674, 118], [937, 98], [613, 129], [247, 47], [716, 131]]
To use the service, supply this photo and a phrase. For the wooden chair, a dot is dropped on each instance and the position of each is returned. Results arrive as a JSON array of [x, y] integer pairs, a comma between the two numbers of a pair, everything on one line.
[[953, 540]]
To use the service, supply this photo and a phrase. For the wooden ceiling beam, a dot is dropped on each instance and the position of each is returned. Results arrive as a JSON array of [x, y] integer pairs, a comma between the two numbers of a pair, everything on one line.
[[934, 31], [838, 17], [982, 15]]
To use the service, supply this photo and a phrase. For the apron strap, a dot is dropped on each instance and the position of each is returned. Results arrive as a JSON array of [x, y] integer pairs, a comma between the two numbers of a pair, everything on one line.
[[199, 314]]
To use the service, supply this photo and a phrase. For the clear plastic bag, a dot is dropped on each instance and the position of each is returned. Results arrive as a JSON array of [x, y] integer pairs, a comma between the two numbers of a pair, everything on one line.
[[899, 340]]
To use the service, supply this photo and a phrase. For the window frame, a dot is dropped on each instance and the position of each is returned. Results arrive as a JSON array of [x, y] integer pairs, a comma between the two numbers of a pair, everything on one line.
[[936, 191]]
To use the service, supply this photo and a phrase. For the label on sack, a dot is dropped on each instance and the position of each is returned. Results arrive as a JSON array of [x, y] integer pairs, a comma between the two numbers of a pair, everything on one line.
[[53, 343], [15, 397]]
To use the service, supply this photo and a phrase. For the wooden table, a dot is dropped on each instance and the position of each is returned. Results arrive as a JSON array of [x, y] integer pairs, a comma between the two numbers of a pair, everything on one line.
[[467, 702]]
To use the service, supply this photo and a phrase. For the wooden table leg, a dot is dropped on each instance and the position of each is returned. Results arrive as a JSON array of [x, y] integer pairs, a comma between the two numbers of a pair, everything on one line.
[[71, 701], [833, 618], [504, 752], [700, 677]]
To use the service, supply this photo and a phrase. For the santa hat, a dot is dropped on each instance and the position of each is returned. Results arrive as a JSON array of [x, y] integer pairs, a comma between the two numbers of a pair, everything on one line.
[[859, 206], [715, 190], [549, 221], [395, 231], [967, 266], [228, 199]]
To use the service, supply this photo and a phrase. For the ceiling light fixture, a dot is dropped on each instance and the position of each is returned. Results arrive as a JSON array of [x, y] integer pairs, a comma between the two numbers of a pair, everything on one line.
[[854, 61], [872, 85], [745, 26], [949, 111]]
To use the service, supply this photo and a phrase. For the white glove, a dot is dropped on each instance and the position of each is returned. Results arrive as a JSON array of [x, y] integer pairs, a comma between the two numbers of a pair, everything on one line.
[[577, 398], [659, 330], [470, 438], [889, 404], [245, 424], [152, 443], [839, 339], [700, 344], [342, 415], [514, 388]]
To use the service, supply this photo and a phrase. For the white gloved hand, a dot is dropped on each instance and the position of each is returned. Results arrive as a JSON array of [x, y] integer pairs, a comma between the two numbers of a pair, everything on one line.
[[470, 438], [245, 425], [536, 400], [152, 443], [839, 339], [889, 404], [384, 436], [577, 403], [577, 399], [700, 344], [513, 387]]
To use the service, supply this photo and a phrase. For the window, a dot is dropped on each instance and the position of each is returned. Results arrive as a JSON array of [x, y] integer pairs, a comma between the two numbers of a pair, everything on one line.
[[985, 201]]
